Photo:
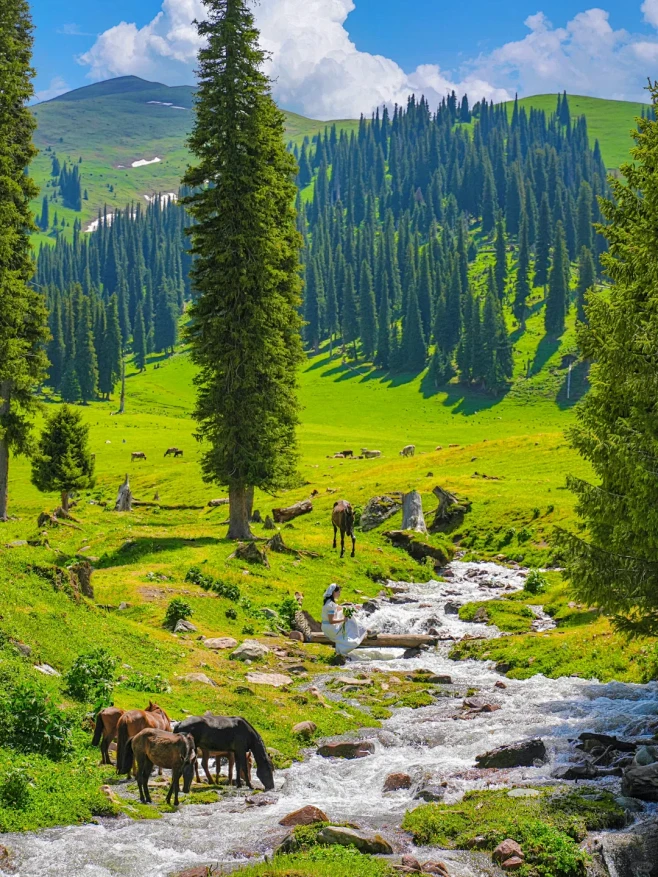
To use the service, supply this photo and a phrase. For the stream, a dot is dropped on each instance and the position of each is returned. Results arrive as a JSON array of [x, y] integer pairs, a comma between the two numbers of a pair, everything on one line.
[[434, 741]]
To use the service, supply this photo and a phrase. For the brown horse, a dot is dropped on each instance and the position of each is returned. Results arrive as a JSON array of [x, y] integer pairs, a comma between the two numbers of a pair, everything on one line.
[[106, 730], [342, 517], [163, 749], [206, 754], [131, 723]]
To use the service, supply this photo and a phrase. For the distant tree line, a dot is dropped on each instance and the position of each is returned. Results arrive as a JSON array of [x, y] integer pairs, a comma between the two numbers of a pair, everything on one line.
[[122, 287], [394, 216]]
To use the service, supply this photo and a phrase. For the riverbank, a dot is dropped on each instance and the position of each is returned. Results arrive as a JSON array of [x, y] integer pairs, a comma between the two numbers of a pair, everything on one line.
[[434, 745]]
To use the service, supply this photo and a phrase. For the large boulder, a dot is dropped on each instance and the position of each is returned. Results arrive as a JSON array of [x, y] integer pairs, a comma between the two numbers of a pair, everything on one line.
[[357, 749], [308, 815], [305, 730], [523, 754], [250, 650], [372, 844], [184, 626], [641, 781], [200, 678], [274, 680], [380, 509], [220, 643]]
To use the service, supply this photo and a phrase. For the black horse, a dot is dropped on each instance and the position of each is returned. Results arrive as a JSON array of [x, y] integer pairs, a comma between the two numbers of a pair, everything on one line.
[[231, 734]]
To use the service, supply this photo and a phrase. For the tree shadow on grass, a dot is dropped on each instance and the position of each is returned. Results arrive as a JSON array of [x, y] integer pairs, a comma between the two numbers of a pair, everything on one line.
[[548, 346], [137, 549], [579, 386]]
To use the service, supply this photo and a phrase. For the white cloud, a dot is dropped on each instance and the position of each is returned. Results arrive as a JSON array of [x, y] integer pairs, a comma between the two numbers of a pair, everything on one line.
[[57, 86], [73, 30], [318, 70], [586, 56]]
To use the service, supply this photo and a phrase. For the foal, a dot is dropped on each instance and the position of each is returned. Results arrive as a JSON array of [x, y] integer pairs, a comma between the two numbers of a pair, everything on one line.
[[342, 517], [163, 749]]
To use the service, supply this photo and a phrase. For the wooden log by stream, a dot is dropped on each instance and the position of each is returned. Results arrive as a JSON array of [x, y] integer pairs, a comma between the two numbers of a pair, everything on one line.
[[386, 641]]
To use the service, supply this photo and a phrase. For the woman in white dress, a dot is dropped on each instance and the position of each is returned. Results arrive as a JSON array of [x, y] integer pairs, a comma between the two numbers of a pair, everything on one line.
[[346, 633]]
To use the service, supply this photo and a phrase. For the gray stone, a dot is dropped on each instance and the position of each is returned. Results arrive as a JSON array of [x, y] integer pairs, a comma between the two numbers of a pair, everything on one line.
[[522, 754], [269, 613], [201, 678], [641, 782], [380, 509], [250, 650], [46, 669], [452, 608], [184, 626], [274, 680], [372, 844], [17, 543], [646, 755], [357, 749], [23, 648], [220, 642], [630, 804]]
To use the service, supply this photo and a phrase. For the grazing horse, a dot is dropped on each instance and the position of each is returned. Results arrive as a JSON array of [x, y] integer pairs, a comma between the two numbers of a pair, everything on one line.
[[137, 455], [218, 756], [130, 724], [163, 749], [342, 517], [171, 451], [231, 734], [106, 730]]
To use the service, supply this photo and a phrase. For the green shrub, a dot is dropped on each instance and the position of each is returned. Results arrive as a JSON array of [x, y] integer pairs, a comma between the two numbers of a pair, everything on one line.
[[231, 613], [31, 722], [227, 589], [91, 677], [248, 630], [15, 789], [177, 610], [535, 582], [208, 583], [287, 610], [137, 681]]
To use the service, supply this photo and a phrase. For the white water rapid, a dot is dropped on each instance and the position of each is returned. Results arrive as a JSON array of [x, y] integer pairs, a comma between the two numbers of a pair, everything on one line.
[[433, 740]]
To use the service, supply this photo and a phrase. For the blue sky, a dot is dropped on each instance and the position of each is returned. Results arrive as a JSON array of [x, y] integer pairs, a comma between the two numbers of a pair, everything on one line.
[[336, 57]]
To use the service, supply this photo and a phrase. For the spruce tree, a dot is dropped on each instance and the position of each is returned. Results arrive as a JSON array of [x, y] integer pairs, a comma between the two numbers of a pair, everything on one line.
[[383, 357], [586, 279], [245, 326], [70, 390], [139, 339], [62, 461], [110, 359], [313, 304], [23, 327], [414, 347], [613, 561], [367, 313], [557, 295], [584, 226], [56, 347], [522, 285], [350, 319], [544, 241], [86, 364], [500, 246], [44, 222], [425, 292]]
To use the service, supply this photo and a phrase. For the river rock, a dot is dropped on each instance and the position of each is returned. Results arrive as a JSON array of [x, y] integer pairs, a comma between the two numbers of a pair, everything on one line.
[[201, 678], [274, 680], [515, 863], [372, 844], [380, 509], [452, 608], [435, 868], [506, 850], [481, 616], [523, 754], [220, 643], [410, 864], [431, 791], [5, 859], [184, 626], [305, 730], [396, 781], [634, 852], [357, 749], [645, 756], [250, 650], [641, 782], [308, 815]]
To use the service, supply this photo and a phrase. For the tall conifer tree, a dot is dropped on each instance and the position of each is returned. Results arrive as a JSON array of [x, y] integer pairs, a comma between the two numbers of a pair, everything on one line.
[[367, 313], [23, 327], [543, 248], [557, 295]]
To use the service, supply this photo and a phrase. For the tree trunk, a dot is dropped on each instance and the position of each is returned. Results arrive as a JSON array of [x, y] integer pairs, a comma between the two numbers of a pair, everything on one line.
[[412, 513], [124, 501], [65, 500], [122, 404], [250, 501], [239, 513], [5, 391], [4, 479]]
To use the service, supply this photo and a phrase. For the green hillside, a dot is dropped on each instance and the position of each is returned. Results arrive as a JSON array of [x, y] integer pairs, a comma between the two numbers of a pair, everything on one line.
[[608, 121], [112, 124]]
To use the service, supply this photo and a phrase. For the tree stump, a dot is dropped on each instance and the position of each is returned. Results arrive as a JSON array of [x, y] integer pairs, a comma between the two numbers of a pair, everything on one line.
[[124, 501], [412, 513], [269, 523], [251, 553], [81, 578], [282, 516], [451, 510], [256, 517]]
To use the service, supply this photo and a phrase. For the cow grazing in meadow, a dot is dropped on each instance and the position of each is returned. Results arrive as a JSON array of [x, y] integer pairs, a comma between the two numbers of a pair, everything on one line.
[[408, 451], [137, 455]]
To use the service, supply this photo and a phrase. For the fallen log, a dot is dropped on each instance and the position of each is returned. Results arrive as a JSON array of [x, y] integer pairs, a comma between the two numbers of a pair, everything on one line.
[[282, 516], [386, 641]]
